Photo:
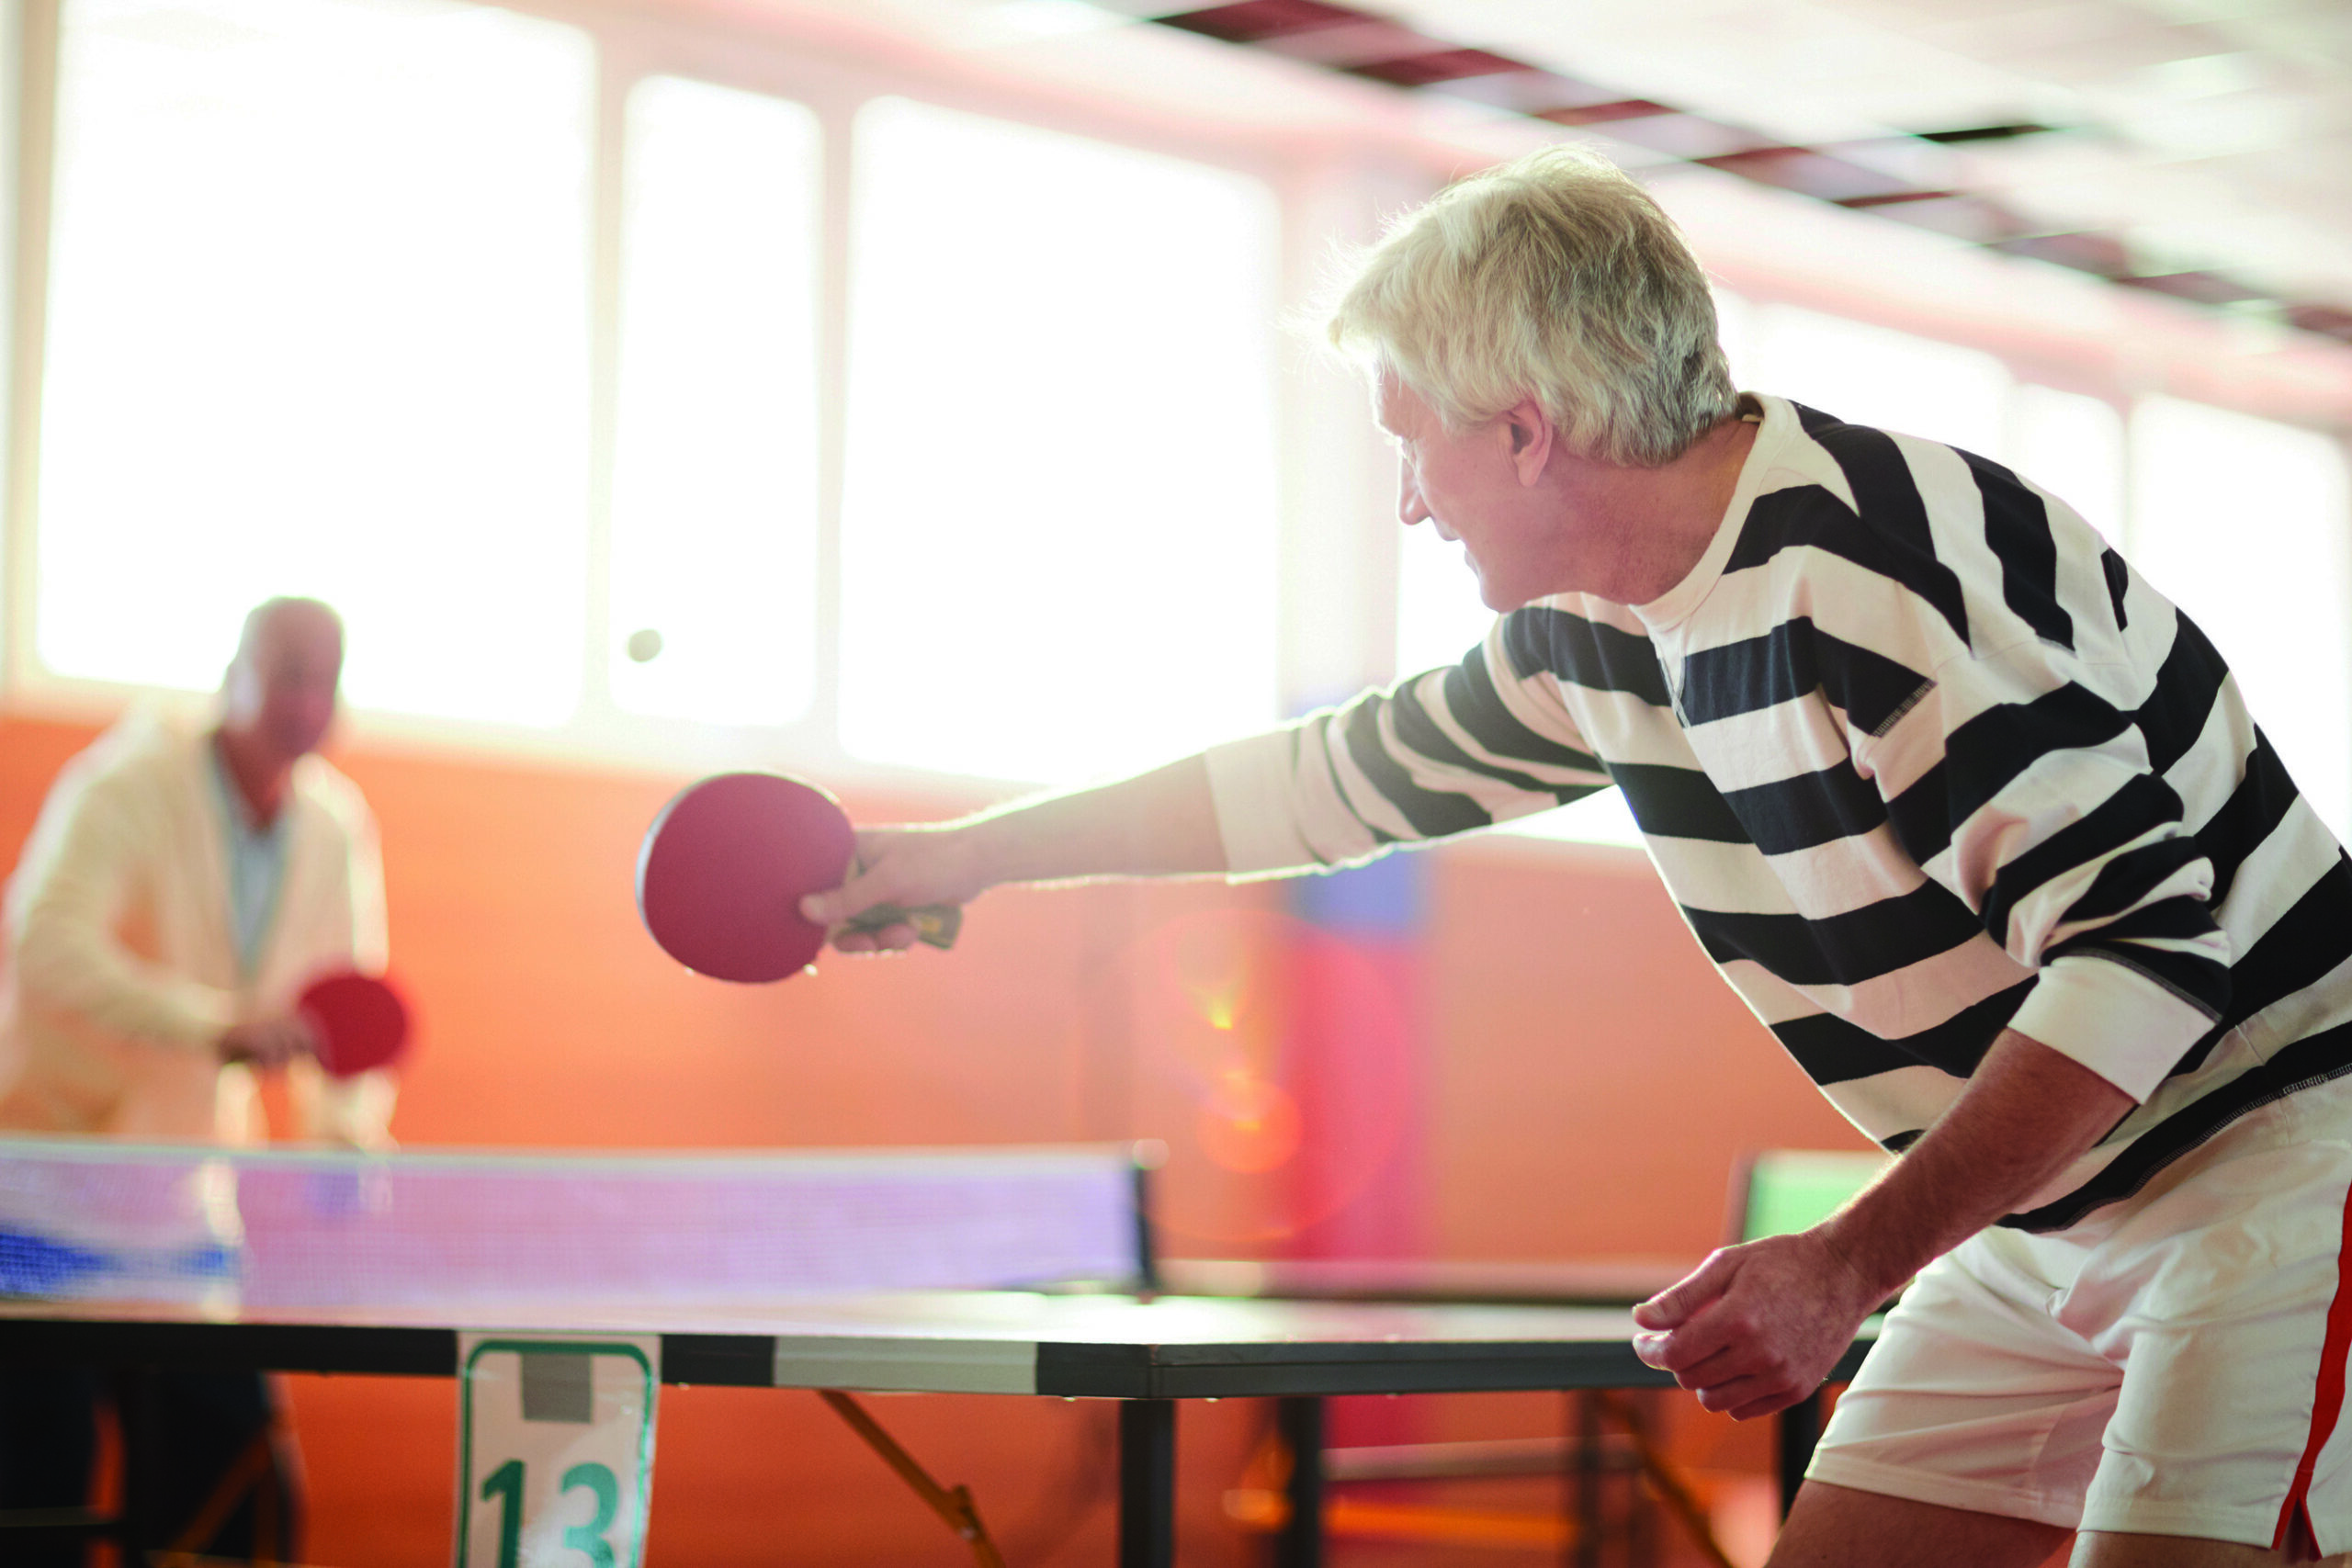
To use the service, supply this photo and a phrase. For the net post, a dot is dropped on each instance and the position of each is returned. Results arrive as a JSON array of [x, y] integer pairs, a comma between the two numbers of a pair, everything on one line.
[[1144, 1157]]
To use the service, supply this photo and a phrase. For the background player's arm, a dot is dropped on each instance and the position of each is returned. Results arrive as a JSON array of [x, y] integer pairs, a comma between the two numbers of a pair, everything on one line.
[[1162, 823], [73, 885], [77, 876], [267, 1041], [1759, 1326]]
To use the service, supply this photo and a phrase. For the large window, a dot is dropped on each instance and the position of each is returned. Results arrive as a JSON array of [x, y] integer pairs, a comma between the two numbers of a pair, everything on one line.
[[714, 560], [2072, 446], [2243, 523], [1059, 528], [1872, 375], [319, 274], [675, 437]]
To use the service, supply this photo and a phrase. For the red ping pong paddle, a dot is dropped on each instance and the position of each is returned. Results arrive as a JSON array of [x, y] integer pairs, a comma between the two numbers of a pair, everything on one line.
[[724, 865], [360, 1019]]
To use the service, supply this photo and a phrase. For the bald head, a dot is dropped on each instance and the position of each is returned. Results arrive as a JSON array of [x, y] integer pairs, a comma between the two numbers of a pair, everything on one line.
[[278, 697]]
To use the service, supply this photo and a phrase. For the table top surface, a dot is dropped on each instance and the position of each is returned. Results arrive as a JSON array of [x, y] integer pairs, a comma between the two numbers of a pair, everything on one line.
[[1576, 1281], [934, 1341], [996, 1315]]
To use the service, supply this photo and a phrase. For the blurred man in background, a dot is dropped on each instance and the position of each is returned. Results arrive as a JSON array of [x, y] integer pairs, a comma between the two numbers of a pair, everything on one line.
[[181, 886]]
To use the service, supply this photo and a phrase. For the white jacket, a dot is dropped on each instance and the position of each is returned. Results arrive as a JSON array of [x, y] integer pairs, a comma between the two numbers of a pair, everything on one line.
[[121, 966]]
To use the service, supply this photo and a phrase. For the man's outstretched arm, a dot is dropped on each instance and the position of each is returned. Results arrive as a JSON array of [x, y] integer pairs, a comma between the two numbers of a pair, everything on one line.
[[1759, 1326], [1445, 751], [1162, 823]]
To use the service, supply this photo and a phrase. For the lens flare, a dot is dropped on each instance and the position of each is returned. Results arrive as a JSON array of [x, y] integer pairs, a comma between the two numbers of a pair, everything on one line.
[[1275, 1060], [1249, 1126], [1223, 968]]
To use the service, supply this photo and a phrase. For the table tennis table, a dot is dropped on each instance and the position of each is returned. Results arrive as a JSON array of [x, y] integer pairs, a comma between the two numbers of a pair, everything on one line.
[[1013, 1272], [1148, 1352], [1591, 1282]]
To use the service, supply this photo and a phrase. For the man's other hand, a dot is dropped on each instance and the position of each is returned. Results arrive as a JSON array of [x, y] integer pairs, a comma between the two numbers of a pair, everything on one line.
[[268, 1042], [1759, 1326]]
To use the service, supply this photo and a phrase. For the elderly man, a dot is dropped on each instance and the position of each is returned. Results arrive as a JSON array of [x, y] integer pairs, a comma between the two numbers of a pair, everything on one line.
[[1967, 812], [179, 889]]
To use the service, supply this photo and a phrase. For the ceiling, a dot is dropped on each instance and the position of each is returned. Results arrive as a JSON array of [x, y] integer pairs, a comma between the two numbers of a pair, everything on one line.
[[2195, 149], [2200, 135], [2200, 149]]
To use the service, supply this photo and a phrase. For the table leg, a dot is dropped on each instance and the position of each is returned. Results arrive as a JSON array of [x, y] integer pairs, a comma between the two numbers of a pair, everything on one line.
[[1584, 1513], [1640, 1510], [1800, 1428], [1147, 1484], [1300, 1544], [138, 1428]]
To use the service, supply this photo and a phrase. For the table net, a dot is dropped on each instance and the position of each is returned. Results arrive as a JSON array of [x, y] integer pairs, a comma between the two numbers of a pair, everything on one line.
[[98, 1220]]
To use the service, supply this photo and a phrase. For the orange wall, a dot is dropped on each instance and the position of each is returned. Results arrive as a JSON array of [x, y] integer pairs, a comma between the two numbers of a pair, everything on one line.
[[1589, 1086], [1596, 1081]]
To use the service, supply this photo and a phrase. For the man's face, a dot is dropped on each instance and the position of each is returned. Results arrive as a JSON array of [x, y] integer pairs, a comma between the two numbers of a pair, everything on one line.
[[282, 690], [1464, 484]]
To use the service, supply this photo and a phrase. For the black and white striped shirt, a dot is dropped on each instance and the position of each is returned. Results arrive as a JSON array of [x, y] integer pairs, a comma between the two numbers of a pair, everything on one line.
[[1920, 757]]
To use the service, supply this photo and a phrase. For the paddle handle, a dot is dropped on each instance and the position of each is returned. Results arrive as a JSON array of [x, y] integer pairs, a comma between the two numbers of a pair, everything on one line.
[[936, 924]]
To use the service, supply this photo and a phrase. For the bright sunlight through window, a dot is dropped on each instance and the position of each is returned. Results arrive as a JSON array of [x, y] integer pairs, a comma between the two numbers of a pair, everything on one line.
[[714, 585], [317, 323], [1059, 530], [1869, 374], [2239, 521], [2072, 446]]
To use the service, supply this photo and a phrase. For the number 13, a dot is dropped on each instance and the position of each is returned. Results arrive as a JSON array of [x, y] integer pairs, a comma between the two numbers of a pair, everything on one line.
[[506, 1483]]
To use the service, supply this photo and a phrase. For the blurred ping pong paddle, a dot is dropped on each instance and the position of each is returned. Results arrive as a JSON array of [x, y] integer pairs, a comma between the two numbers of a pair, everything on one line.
[[360, 1019], [724, 865]]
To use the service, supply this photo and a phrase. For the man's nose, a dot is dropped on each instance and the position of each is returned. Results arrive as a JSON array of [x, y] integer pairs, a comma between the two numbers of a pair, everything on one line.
[[1411, 507]]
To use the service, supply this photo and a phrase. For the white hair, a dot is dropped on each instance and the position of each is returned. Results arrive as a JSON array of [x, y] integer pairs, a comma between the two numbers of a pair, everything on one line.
[[1556, 277]]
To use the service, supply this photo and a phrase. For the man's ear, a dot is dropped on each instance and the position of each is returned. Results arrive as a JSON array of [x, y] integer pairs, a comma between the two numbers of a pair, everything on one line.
[[1531, 434]]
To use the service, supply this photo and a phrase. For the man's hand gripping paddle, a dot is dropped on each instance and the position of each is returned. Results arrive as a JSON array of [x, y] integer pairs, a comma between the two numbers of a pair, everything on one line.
[[726, 863]]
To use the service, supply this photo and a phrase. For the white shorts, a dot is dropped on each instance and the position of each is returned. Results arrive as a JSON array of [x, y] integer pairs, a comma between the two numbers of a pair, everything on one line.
[[2172, 1365]]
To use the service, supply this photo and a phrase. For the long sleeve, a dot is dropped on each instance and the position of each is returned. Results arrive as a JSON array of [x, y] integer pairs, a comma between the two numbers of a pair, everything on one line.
[[76, 881], [1446, 752]]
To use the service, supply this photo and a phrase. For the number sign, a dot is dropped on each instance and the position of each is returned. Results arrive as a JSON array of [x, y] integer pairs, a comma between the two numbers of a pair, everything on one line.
[[554, 1451]]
